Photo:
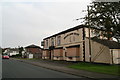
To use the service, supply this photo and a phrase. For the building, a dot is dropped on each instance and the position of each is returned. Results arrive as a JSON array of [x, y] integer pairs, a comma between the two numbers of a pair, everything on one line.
[[5, 51], [67, 45], [11, 51], [14, 51], [32, 51], [73, 45], [103, 51]]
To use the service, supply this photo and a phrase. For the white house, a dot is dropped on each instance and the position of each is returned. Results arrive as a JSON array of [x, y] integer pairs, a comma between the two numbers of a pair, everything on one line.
[[13, 51]]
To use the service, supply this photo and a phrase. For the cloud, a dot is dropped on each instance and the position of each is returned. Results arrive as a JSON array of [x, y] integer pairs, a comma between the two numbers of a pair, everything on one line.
[[45, 0], [29, 22]]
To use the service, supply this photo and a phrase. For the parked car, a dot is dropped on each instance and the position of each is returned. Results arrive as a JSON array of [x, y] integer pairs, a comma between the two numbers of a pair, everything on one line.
[[5, 57]]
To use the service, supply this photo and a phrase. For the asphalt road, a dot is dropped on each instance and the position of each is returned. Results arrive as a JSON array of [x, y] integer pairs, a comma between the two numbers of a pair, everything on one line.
[[16, 69]]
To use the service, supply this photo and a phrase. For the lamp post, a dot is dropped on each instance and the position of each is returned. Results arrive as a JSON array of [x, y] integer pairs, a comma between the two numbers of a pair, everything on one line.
[[89, 33]]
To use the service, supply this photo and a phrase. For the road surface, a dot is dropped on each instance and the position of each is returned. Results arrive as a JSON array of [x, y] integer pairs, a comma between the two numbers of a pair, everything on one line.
[[16, 69]]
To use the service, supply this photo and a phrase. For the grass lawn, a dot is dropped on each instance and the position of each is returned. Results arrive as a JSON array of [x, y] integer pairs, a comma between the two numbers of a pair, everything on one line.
[[101, 68]]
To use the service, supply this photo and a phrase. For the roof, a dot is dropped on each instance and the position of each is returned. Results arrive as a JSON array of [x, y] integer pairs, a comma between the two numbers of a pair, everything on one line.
[[108, 43], [71, 29], [33, 50], [14, 49], [32, 46]]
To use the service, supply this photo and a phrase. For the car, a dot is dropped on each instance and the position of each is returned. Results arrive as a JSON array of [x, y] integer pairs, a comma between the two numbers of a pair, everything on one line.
[[5, 57]]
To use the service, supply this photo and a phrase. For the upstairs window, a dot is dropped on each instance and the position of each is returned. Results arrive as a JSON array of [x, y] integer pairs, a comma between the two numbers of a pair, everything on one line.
[[46, 43], [52, 42], [73, 38], [58, 40]]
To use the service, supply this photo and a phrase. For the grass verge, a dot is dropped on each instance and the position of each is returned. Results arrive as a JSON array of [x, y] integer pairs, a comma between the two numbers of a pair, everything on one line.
[[101, 68]]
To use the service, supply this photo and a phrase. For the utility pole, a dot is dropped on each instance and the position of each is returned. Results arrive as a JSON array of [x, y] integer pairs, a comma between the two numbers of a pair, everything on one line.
[[89, 33]]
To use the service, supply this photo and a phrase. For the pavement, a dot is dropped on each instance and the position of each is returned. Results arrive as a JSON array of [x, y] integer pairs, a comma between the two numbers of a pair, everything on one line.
[[61, 66], [17, 70]]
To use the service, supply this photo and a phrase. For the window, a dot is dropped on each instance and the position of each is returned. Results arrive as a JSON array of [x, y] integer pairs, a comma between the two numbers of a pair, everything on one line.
[[52, 42], [46, 43], [73, 38], [42, 43], [70, 39], [59, 40]]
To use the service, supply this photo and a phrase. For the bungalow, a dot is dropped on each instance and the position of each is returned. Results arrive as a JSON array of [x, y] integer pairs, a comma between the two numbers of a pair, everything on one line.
[[103, 51]]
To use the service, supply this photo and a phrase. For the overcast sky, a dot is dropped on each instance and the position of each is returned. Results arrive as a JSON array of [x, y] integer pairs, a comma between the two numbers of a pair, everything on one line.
[[25, 22]]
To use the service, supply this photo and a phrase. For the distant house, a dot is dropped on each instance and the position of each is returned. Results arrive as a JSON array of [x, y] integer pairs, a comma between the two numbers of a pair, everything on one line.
[[103, 51], [6, 51], [33, 50], [11, 51], [14, 51]]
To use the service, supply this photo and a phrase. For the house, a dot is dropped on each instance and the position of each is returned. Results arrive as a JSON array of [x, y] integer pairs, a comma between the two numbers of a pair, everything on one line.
[[68, 45], [103, 51], [32, 51], [5, 51], [11, 51], [73, 45]]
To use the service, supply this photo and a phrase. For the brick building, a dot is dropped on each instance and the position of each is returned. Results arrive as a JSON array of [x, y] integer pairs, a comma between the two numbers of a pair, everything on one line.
[[71, 44], [36, 51]]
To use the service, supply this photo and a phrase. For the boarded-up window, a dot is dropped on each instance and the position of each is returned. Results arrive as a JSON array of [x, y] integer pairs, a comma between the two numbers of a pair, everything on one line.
[[58, 52], [73, 51]]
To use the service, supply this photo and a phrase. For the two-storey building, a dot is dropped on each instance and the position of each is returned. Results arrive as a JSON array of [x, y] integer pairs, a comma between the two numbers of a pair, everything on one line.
[[81, 43], [67, 45]]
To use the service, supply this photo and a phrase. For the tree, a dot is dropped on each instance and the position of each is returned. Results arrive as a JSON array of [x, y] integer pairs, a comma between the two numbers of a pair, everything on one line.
[[106, 16], [20, 51]]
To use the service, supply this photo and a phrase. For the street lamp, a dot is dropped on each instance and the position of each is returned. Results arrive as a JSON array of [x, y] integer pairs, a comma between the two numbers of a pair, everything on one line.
[[89, 32]]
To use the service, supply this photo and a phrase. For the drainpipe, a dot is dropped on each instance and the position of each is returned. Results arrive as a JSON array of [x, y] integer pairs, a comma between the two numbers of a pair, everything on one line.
[[112, 56]]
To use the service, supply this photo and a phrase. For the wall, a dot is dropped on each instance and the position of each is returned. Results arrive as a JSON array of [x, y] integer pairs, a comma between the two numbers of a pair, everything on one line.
[[13, 53], [37, 55], [99, 52], [45, 54], [116, 56], [87, 56]]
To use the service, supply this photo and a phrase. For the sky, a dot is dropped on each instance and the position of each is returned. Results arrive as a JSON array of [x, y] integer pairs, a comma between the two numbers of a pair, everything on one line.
[[26, 22]]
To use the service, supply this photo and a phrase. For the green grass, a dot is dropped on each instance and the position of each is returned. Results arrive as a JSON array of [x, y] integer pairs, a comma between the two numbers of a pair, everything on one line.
[[101, 68]]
